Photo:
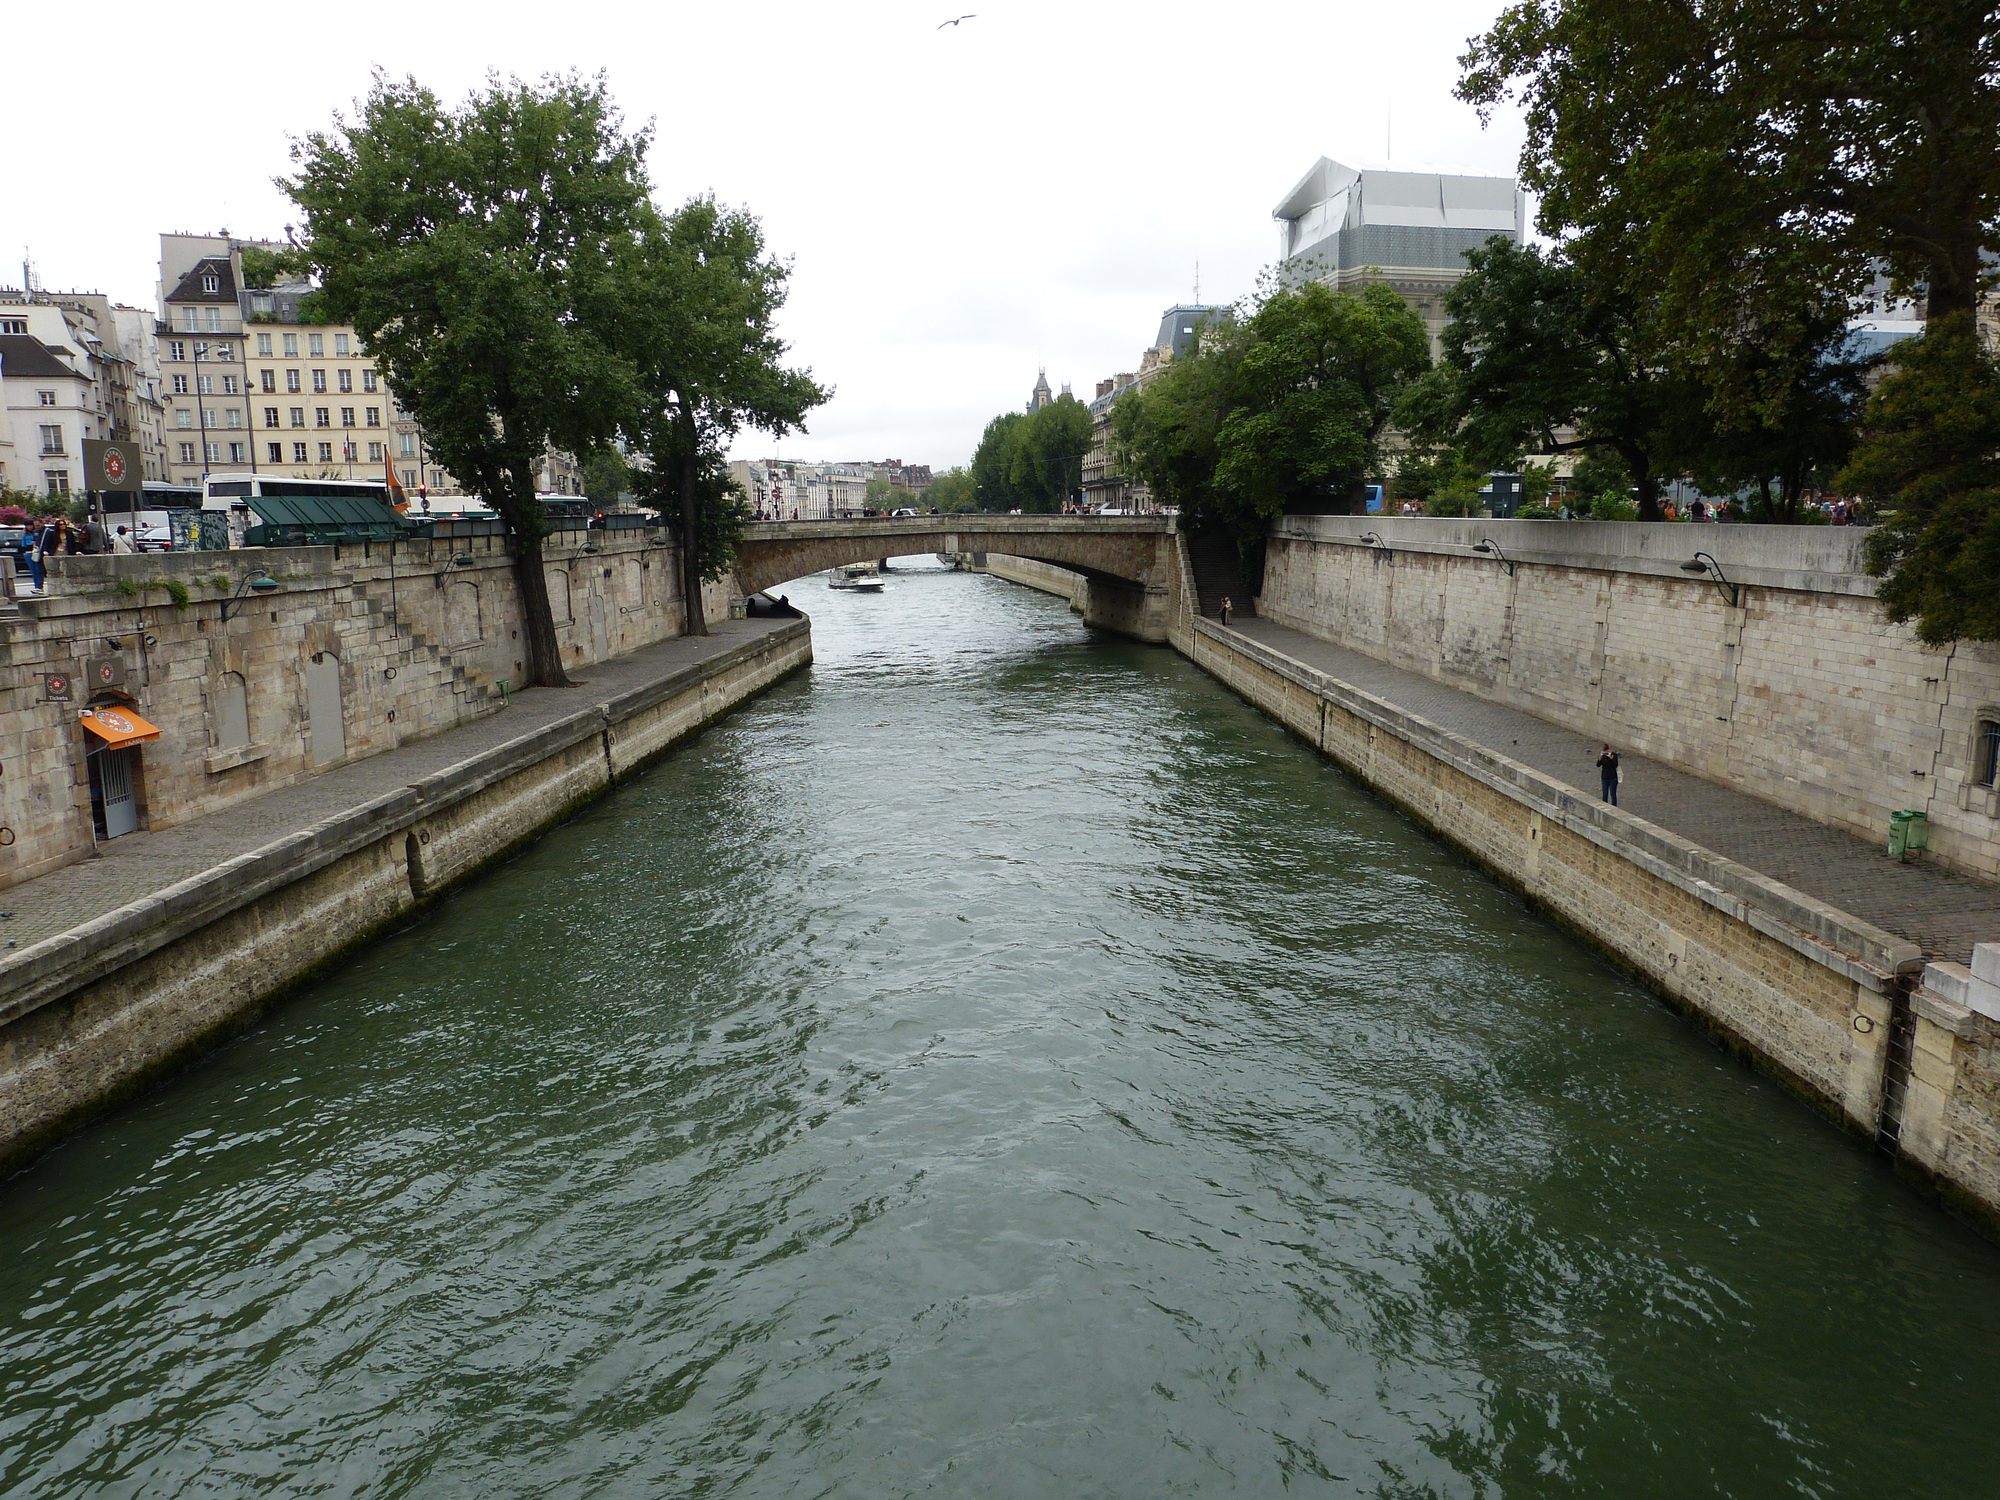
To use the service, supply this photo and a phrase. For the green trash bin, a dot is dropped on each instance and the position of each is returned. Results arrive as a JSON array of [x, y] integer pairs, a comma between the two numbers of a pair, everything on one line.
[[1909, 831]]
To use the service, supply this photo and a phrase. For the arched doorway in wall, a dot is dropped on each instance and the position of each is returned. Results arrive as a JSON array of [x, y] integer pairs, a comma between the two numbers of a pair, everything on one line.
[[326, 725], [114, 731]]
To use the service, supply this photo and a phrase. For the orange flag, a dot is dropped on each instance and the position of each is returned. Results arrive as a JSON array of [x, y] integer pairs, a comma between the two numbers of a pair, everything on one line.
[[396, 496]]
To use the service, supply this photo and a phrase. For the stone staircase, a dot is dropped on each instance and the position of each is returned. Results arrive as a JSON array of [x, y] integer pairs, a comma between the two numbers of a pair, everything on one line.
[[1217, 573]]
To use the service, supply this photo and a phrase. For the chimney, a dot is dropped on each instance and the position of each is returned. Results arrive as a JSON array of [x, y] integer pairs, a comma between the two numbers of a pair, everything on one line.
[[1105, 387]]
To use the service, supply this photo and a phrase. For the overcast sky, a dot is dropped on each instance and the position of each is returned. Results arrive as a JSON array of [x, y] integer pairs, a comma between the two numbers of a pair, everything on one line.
[[962, 206]]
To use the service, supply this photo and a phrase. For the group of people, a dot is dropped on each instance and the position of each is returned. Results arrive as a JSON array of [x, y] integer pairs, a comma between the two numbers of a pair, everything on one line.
[[58, 535]]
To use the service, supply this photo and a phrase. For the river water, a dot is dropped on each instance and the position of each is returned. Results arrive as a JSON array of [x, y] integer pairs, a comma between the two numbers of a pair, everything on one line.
[[997, 1063]]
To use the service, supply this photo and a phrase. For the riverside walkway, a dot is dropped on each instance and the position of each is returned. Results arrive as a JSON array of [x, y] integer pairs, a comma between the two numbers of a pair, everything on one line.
[[1943, 913], [129, 868]]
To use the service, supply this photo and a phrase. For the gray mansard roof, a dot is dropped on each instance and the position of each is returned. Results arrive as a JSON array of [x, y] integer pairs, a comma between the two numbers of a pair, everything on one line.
[[1340, 218]]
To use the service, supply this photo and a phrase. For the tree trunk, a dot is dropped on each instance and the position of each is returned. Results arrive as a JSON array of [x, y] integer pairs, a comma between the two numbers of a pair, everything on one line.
[[697, 617], [538, 621]]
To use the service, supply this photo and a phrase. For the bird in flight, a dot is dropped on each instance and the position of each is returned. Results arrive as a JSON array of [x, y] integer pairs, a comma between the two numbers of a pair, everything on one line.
[[973, 17]]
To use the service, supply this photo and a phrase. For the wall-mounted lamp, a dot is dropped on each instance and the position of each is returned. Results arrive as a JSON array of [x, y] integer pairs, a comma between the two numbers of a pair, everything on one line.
[[256, 579], [464, 560], [1491, 548], [1703, 563], [1374, 541]]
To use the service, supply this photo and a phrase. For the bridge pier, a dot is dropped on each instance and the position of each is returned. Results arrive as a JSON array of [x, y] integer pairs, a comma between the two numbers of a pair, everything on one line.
[[1138, 610]]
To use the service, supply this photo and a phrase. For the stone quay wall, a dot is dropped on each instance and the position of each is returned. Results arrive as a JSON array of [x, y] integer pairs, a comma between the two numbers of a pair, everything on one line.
[[92, 1013], [1810, 993], [384, 644], [1800, 692]]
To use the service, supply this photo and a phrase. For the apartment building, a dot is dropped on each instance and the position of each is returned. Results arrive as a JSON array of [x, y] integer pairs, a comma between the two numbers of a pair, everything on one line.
[[79, 366]]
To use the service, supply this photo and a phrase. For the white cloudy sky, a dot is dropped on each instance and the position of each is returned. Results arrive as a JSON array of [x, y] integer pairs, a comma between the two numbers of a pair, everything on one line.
[[962, 206]]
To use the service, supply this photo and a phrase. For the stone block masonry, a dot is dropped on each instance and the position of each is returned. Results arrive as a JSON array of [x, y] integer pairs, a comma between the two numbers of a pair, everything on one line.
[[1797, 691], [358, 650], [112, 999]]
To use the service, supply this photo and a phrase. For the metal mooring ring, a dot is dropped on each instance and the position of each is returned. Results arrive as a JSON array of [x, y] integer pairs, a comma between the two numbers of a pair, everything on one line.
[[1864, 1024]]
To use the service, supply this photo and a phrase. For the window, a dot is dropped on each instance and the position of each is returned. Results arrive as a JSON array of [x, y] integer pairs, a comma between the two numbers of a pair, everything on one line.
[[367, 380], [52, 439], [188, 323], [213, 323], [322, 416], [374, 453], [239, 453], [340, 345], [319, 382], [56, 481], [270, 416], [374, 416], [180, 385], [326, 453], [210, 283], [410, 478], [268, 379], [406, 444], [292, 381], [316, 345], [232, 712], [187, 453], [291, 346], [222, 352], [205, 384], [347, 416], [210, 417], [13, 325], [276, 451], [176, 349], [347, 380], [298, 416], [1986, 754], [183, 418], [347, 452], [263, 346], [48, 397], [229, 385], [233, 417], [298, 453]]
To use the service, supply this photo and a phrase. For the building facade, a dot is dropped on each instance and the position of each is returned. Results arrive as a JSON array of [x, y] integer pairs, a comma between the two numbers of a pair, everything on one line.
[[1347, 226], [76, 366], [1105, 484]]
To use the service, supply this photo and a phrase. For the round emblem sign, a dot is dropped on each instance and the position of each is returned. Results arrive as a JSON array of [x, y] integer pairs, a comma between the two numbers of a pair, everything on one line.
[[58, 684], [116, 723], [114, 466], [106, 672]]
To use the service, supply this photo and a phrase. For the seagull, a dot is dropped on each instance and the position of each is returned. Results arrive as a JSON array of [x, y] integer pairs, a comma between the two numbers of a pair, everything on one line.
[[973, 17]]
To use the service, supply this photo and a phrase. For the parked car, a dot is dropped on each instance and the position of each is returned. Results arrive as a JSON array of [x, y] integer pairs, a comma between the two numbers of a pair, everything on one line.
[[905, 511], [153, 538]]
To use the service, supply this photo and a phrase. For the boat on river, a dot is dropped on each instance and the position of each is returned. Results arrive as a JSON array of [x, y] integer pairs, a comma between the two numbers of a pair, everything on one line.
[[862, 578]]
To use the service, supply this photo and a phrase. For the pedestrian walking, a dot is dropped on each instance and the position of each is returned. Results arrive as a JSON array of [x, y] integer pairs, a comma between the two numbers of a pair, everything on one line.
[[1607, 775], [1225, 609], [121, 541]]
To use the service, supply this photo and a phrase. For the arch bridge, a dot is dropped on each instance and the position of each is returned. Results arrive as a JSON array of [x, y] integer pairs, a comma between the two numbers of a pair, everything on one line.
[[1131, 562]]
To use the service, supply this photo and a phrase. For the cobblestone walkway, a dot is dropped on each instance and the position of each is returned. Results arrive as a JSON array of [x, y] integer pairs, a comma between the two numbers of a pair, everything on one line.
[[1944, 913], [132, 866]]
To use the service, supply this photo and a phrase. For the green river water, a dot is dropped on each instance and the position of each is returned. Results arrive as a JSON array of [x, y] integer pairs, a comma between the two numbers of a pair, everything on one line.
[[996, 1063]]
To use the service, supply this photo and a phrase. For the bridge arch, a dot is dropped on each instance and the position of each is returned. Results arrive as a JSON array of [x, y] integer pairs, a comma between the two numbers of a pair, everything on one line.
[[1130, 561]]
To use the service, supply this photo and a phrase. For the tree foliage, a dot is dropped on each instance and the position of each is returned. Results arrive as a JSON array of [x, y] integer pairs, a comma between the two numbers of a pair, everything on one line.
[[1033, 463], [1929, 461], [954, 491], [475, 249], [1725, 156], [1282, 410], [698, 301]]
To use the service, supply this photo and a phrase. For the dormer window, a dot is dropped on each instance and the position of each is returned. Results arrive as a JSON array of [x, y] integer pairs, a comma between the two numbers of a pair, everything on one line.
[[210, 283]]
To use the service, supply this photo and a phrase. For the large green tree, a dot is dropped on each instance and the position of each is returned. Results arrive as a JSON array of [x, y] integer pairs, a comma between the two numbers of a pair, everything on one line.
[[697, 302], [1537, 359], [475, 250], [1718, 156], [1321, 374], [953, 492], [1930, 463], [1032, 463]]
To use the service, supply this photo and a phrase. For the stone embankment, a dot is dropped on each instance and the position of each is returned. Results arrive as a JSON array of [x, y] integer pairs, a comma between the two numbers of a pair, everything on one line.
[[132, 961]]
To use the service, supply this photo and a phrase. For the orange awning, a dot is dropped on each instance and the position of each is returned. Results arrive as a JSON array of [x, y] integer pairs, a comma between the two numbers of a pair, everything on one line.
[[118, 726]]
